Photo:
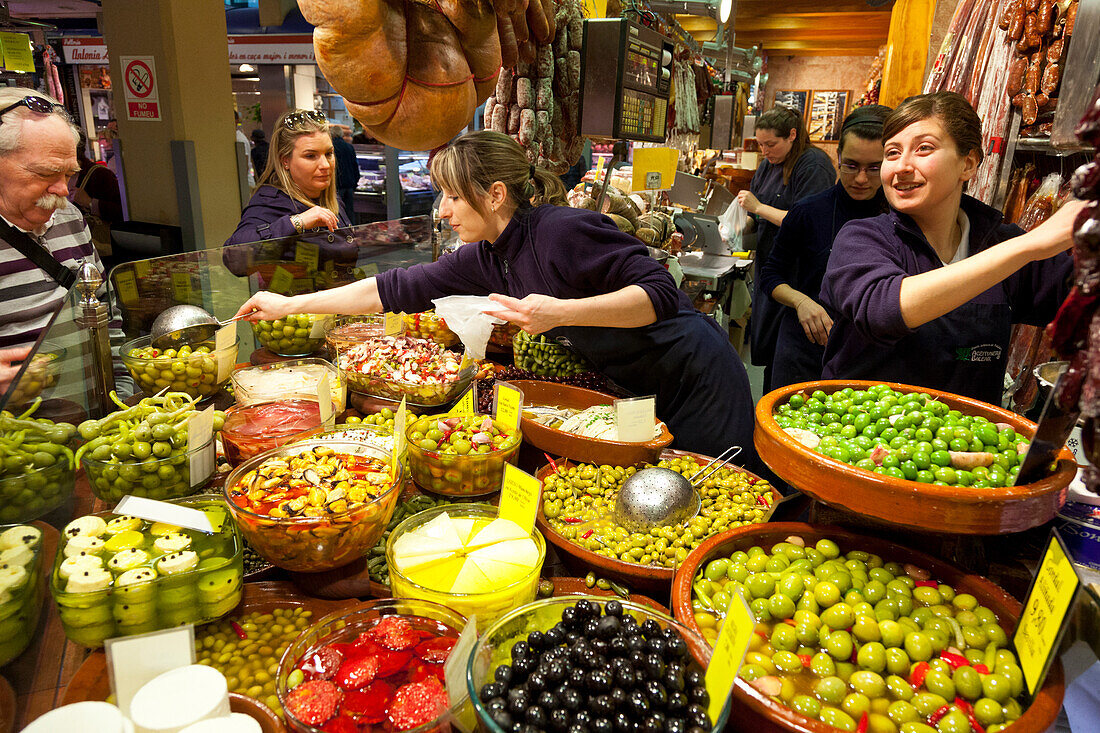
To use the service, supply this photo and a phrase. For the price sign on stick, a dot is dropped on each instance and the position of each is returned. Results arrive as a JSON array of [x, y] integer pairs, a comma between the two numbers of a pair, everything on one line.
[[134, 660], [398, 436], [282, 281], [729, 654], [635, 418], [467, 403], [1046, 611], [392, 323], [507, 404], [324, 398], [519, 497]]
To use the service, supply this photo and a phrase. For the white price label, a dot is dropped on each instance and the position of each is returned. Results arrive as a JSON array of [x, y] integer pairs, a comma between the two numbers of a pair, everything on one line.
[[223, 345], [152, 510], [324, 398], [132, 661], [200, 430], [635, 418]]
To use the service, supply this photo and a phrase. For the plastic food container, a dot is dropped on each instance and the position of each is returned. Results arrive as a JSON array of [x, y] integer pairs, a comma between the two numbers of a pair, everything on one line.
[[344, 628], [173, 477], [494, 646], [503, 334], [26, 496], [376, 436], [432, 392], [487, 606], [199, 374], [250, 430], [299, 334], [20, 588], [473, 474], [428, 325], [150, 576], [314, 543], [41, 374], [296, 379]]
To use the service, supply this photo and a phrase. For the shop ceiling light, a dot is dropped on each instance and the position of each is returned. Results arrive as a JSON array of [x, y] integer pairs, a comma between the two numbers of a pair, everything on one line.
[[246, 68], [722, 10]]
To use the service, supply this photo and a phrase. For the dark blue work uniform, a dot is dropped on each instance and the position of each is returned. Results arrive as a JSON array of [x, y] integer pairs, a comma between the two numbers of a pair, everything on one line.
[[813, 173], [683, 358], [798, 259], [963, 351]]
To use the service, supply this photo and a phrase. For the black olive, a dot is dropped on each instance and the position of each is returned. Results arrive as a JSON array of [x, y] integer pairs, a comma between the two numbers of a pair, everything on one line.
[[657, 694], [636, 643], [600, 645], [651, 629], [699, 694], [555, 636], [601, 705], [502, 718], [622, 722], [698, 717], [618, 647], [676, 725], [698, 729], [571, 637], [599, 680], [520, 649], [559, 719], [522, 667], [518, 700], [677, 648], [587, 609], [491, 690], [578, 728], [624, 677], [673, 680], [602, 725], [637, 705], [497, 703], [555, 671], [693, 677], [613, 608], [582, 717], [503, 673], [654, 723], [654, 666], [677, 701], [637, 658], [569, 617], [535, 641], [608, 627], [577, 677], [536, 716], [657, 645], [589, 628]]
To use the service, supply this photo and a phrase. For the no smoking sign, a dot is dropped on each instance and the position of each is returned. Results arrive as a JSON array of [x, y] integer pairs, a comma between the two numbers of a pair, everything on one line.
[[140, 86]]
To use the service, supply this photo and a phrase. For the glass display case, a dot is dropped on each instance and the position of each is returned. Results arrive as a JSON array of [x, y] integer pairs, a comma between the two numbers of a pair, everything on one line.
[[414, 180]]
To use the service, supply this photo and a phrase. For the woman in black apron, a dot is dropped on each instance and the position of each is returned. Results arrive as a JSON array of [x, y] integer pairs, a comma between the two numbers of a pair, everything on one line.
[[792, 170], [927, 293], [792, 275], [568, 273]]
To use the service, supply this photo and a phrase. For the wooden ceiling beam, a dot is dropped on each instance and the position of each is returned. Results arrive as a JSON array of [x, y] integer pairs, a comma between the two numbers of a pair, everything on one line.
[[767, 8], [816, 35], [812, 47], [812, 21]]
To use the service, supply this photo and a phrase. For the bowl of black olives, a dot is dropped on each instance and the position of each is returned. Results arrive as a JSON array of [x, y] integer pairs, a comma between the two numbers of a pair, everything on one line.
[[592, 664]]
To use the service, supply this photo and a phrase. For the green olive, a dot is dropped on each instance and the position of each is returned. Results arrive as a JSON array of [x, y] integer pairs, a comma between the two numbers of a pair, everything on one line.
[[831, 690], [837, 718], [868, 683]]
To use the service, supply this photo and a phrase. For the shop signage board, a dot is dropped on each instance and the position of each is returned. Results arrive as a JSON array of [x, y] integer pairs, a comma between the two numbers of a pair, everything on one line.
[[139, 81], [271, 49], [88, 50], [17, 52]]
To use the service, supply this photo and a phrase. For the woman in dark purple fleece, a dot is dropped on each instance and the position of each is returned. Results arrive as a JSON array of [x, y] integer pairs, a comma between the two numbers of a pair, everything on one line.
[[569, 273], [927, 293]]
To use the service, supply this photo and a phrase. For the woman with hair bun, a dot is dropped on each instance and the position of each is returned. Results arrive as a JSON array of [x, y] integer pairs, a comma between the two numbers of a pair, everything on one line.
[[927, 293], [792, 170], [792, 274], [568, 273]]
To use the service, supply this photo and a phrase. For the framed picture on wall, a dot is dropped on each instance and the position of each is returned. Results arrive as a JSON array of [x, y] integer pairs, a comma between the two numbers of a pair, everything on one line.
[[793, 99], [827, 110]]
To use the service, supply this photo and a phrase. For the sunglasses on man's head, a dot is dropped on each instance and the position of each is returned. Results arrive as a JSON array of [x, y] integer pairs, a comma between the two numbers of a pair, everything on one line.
[[34, 104], [297, 119]]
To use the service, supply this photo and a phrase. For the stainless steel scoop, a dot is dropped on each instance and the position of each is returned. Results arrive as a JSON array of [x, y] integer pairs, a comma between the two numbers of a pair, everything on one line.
[[655, 497], [181, 325]]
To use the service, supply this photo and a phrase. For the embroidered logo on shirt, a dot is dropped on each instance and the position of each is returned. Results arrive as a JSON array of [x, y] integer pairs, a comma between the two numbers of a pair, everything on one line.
[[985, 353]]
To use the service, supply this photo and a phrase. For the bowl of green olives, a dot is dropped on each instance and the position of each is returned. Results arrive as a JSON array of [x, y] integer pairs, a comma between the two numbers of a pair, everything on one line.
[[200, 370], [298, 334], [857, 633], [460, 455], [37, 468], [157, 470], [909, 456]]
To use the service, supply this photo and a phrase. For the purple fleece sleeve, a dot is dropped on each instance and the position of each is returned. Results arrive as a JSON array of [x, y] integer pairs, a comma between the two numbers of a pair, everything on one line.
[[589, 254], [256, 224], [790, 240], [462, 272], [1037, 290], [863, 281]]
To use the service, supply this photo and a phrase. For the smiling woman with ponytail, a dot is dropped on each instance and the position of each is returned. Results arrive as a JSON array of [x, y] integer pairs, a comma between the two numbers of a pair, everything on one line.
[[569, 274]]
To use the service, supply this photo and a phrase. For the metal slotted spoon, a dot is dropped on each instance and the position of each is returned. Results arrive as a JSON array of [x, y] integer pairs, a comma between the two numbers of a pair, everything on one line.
[[655, 497], [185, 324]]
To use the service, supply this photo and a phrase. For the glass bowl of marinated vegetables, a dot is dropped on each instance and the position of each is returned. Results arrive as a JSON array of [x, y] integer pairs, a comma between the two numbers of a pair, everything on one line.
[[380, 663], [200, 370], [298, 334], [316, 504], [908, 455], [857, 633], [21, 588], [569, 661], [256, 428], [37, 468], [419, 371], [460, 455], [118, 575]]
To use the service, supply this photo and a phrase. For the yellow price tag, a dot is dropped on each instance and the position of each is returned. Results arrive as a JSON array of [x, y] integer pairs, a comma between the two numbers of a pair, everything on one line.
[[507, 404], [398, 436], [308, 254], [467, 403], [301, 285], [1046, 611], [729, 654], [141, 267], [661, 161], [370, 269], [281, 281], [599, 167], [520, 493], [392, 324], [126, 285], [595, 8], [181, 287]]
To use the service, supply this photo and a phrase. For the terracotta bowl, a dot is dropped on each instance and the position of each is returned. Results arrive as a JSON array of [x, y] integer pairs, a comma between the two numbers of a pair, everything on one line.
[[954, 509], [649, 577], [761, 714], [576, 447]]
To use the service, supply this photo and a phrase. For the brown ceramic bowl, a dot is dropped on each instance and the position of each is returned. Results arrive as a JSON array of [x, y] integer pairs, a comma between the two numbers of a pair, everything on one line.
[[577, 447], [954, 509], [761, 714], [648, 577]]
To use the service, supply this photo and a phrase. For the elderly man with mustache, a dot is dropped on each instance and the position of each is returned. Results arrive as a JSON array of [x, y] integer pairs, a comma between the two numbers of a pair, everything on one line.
[[43, 237]]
